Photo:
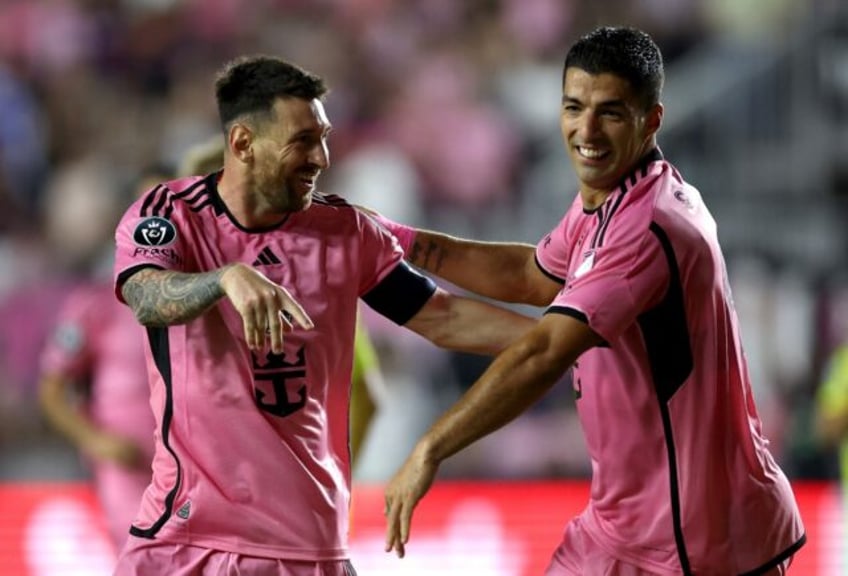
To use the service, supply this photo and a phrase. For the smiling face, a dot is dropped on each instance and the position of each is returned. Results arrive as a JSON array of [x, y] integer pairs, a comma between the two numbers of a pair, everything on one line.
[[289, 153], [606, 130]]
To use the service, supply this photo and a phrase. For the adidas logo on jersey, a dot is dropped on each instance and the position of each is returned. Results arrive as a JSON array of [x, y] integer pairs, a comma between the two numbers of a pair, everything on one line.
[[266, 258]]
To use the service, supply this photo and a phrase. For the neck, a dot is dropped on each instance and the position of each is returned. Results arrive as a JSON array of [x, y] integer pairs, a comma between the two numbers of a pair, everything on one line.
[[244, 204], [593, 198]]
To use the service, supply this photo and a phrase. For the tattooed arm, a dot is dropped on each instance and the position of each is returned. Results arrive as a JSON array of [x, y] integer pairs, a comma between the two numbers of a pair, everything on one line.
[[504, 271], [164, 298]]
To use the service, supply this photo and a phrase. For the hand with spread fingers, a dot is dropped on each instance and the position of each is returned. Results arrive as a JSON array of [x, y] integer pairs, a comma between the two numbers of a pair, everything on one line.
[[266, 308], [402, 494]]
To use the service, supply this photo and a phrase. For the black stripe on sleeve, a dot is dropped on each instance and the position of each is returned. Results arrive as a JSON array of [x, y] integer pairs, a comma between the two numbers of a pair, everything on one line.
[[124, 276], [566, 311], [150, 198], [577, 315], [556, 279], [401, 294], [160, 205]]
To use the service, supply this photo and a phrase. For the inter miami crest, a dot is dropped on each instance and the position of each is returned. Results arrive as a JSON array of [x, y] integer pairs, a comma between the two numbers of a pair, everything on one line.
[[154, 231]]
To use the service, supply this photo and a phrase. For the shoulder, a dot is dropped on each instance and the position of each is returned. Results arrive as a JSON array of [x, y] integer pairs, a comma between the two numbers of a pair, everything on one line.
[[190, 194], [330, 201], [155, 218], [335, 212]]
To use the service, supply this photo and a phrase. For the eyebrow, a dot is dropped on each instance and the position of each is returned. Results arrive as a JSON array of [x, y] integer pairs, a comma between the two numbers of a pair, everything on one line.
[[618, 103], [309, 131]]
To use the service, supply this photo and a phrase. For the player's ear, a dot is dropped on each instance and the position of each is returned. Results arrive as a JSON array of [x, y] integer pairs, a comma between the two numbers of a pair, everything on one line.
[[653, 119], [240, 142]]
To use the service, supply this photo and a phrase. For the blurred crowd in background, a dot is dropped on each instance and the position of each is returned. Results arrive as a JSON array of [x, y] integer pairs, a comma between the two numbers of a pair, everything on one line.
[[445, 116]]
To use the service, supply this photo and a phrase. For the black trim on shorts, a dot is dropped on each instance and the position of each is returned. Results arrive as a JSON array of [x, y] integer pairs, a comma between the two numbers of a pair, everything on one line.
[[160, 349], [401, 294], [779, 559]]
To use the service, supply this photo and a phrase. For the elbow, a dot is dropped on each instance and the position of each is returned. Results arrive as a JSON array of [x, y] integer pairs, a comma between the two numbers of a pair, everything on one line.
[[542, 358], [541, 294], [148, 320]]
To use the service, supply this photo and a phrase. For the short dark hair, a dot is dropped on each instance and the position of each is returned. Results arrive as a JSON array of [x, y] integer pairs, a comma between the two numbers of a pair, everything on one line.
[[628, 53], [249, 85]]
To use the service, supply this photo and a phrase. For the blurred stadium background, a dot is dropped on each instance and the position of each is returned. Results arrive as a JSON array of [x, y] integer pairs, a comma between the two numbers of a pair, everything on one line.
[[446, 116]]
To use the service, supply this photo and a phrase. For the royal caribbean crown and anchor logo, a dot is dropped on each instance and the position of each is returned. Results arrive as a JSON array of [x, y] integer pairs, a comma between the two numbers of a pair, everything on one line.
[[279, 388]]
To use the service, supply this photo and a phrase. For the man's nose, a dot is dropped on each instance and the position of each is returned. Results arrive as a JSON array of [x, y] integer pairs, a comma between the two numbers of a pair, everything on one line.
[[589, 125], [320, 156]]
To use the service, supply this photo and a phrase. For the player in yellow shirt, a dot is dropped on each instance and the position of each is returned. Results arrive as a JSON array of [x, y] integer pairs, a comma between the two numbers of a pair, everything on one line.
[[832, 409]]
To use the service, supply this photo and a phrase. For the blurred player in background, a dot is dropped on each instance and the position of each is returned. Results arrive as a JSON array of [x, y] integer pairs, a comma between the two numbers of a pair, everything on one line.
[[367, 380], [640, 306], [248, 282], [94, 391], [832, 417]]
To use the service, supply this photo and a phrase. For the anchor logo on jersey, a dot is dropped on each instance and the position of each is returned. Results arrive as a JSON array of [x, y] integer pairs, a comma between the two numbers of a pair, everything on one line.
[[272, 380]]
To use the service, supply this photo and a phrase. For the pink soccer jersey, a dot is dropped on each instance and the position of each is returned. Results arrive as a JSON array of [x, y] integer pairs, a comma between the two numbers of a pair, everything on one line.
[[252, 449], [683, 482], [98, 340]]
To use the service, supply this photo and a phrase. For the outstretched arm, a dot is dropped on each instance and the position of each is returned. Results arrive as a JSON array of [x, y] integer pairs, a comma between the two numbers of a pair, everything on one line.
[[513, 382], [164, 297], [468, 325], [505, 271]]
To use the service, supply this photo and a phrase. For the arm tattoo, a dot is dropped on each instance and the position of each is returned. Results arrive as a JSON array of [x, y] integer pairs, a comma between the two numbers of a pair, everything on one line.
[[427, 254], [164, 297]]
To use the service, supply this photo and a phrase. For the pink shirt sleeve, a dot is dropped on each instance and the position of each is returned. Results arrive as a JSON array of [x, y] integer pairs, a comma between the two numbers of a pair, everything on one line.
[[552, 251], [142, 241], [379, 255], [616, 283]]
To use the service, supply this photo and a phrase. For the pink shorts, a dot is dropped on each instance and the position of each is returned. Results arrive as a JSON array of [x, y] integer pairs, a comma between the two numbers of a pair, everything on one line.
[[579, 555], [143, 557]]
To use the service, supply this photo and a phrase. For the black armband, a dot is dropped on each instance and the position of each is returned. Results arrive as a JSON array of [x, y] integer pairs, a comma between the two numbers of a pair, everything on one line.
[[401, 294]]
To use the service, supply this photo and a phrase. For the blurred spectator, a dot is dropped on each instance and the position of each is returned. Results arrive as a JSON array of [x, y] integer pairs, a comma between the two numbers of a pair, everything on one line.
[[93, 387], [832, 408]]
